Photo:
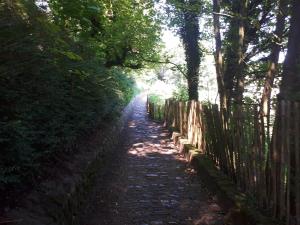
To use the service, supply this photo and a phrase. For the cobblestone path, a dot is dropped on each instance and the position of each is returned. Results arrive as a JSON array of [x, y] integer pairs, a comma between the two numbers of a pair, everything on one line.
[[150, 183]]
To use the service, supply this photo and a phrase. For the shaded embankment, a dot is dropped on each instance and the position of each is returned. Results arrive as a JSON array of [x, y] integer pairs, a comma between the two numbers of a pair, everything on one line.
[[61, 196]]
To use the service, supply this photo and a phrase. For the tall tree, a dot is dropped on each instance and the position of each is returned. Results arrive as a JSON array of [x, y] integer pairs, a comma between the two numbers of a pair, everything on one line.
[[235, 49], [218, 53], [245, 26], [186, 19], [290, 86], [189, 33], [274, 57], [246, 35], [285, 152]]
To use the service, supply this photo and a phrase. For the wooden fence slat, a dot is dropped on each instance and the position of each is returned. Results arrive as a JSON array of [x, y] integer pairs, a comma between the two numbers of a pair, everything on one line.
[[288, 162], [297, 163], [282, 210], [274, 169], [256, 156]]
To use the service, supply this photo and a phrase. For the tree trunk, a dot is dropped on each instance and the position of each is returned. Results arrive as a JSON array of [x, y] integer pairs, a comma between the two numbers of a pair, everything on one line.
[[240, 77], [233, 75], [273, 58], [266, 95], [221, 87], [290, 86], [218, 54], [290, 94], [240, 7], [190, 36]]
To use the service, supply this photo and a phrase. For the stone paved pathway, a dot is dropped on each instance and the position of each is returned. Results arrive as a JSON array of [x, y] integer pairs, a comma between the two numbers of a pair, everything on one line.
[[150, 183]]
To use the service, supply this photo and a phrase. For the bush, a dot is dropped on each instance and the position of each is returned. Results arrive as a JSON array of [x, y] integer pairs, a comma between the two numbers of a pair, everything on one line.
[[53, 90], [181, 93]]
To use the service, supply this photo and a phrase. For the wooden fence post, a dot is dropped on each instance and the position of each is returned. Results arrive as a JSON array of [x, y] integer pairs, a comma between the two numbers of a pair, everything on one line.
[[297, 158]]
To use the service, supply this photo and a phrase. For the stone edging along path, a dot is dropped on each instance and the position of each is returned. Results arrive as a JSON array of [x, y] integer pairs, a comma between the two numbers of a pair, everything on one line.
[[59, 200], [242, 209]]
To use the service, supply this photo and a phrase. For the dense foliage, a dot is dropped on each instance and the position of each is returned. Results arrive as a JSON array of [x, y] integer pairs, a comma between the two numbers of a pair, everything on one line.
[[56, 76], [122, 32]]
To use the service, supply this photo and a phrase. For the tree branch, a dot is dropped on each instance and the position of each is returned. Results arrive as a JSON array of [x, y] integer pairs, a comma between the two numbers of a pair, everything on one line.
[[223, 14], [167, 62]]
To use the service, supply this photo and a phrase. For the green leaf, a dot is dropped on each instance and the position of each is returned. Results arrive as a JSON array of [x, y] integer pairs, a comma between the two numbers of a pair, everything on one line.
[[72, 55]]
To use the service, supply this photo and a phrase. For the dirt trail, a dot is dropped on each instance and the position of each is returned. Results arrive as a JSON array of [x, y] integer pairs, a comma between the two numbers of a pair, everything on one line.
[[149, 182]]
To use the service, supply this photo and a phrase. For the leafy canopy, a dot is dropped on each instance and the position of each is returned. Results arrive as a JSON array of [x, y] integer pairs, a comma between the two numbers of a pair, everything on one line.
[[122, 32]]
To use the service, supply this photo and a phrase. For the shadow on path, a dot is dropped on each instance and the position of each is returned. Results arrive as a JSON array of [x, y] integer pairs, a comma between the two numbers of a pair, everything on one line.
[[149, 182]]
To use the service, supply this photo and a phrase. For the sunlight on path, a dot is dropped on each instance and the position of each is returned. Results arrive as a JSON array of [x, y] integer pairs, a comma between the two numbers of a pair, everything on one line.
[[151, 183]]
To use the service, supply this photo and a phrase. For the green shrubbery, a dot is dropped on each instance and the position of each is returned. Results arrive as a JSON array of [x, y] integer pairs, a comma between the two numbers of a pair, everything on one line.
[[156, 105], [156, 99], [53, 90], [181, 93]]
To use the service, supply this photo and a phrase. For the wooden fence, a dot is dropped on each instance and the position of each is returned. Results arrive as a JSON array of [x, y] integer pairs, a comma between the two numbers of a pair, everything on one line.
[[263, 162], [155, 111]]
